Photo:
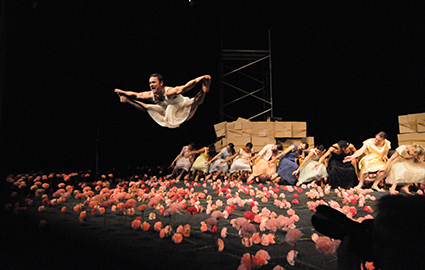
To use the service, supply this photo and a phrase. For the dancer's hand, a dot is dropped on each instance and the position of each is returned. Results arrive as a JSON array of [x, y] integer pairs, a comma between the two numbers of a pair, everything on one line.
[[348, 159]]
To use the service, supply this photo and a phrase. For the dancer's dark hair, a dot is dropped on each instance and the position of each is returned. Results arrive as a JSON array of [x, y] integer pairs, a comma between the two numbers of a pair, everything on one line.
[[157, 75], [343, 144], [382, 134]]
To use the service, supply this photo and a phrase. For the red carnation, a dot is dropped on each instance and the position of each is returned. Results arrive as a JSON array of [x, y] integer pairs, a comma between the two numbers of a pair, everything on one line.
[[249, 215], [192, 210]]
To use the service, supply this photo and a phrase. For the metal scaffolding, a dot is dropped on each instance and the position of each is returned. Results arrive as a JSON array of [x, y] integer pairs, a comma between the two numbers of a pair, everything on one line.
[[246, 85]]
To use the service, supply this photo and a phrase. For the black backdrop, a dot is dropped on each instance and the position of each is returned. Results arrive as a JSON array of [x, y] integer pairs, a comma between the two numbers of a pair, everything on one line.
[[347, 69]]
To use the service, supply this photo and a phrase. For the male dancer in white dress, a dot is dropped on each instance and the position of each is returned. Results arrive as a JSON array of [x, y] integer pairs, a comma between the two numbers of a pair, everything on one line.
[[171, 108]]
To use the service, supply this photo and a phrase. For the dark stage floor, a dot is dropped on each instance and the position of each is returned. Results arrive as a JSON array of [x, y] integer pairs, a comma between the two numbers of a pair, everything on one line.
[[108, 241]]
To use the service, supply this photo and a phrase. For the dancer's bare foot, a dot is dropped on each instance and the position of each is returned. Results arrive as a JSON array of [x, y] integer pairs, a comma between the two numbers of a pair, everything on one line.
[[376, 188], [119, 91], [124, 99], [359, 186], [392, 189], [206, 82], [406, 189]]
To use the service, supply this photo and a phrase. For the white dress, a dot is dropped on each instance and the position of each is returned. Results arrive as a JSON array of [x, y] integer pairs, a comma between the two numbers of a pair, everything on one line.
[[170, 112], [241, 162], [307, 174], [405, 170], [184, 162], [215, 166]]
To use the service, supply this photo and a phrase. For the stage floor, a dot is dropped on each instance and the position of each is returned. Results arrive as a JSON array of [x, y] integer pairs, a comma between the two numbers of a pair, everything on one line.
[[108, 241]]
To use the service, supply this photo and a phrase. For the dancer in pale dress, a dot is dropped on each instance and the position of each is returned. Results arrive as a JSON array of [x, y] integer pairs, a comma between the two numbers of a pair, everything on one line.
[[241, 162], [375, 158], [218, 164], [171, 108], [200, 165], [183, 161], [305, 170], [287, 164], [261, 165], [406, 165]]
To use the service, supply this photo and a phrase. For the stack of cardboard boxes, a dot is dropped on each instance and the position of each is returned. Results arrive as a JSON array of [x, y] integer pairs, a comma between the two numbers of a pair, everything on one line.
[[412, 129], [260, 134]]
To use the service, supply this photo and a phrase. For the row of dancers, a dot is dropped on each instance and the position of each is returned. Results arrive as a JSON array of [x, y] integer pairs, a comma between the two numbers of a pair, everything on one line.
[[347, 167], [342, 165]]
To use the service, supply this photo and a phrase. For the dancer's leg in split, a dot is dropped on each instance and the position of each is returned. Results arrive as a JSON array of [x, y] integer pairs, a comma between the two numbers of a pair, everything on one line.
[[199, 98], [135, 103]]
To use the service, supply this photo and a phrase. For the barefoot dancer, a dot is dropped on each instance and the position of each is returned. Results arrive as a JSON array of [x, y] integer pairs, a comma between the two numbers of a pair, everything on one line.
[[406, 165], [375, 152], [171, 108]]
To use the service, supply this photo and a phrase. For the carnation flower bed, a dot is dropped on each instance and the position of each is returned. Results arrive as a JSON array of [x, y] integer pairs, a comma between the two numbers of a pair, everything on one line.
[[68, 221]]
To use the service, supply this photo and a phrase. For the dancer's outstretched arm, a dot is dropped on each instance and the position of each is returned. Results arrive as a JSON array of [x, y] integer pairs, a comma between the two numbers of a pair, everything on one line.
[[173, 91]]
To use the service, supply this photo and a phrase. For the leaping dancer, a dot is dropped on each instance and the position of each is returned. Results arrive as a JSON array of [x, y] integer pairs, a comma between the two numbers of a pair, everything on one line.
[[171, 108]]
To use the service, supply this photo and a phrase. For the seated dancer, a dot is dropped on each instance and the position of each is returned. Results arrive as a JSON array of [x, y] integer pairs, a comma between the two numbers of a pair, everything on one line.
[[241, 161], [340, 174], [183, 161], [171, 108], [305, 171], [262, 166], [200, 165], [287, 164], [406, 165], [219, 163], [376, 155]]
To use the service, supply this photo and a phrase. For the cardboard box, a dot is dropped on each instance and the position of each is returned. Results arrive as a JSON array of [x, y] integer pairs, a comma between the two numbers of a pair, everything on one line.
[[239, 123], [299, 129], [260, 142], [283, 134], [237, 134], [310, 141], [407, 123], [420, 125], [220, 144], [264, 125], [220, 129], [411, 138], [231, 126], [283, 129]]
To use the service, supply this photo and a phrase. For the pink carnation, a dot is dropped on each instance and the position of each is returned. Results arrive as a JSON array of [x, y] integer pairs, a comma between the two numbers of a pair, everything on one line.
[[292, 255], [325, 245], [157, 226], [292, 236], [135, 224], [220, 244], [177, 238], [145, 226]]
